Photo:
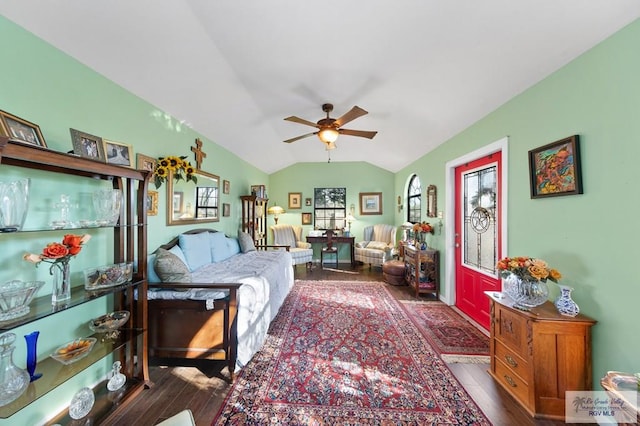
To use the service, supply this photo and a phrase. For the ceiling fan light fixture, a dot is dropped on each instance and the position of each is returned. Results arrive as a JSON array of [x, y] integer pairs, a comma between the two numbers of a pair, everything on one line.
[[328, 135], [330, 145]]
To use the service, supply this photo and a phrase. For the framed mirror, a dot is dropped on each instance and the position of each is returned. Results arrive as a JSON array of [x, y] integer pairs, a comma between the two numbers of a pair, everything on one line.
[[432, 209], [189, 203]]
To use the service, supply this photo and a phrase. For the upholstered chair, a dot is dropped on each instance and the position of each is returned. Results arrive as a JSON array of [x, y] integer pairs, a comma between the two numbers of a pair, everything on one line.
[[378, 244], [291, 235]]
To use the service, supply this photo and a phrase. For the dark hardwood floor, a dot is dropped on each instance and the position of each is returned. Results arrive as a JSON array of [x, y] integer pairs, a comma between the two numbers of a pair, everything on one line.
[[202, 386]]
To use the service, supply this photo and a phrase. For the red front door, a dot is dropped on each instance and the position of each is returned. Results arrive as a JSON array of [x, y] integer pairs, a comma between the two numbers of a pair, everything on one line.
[[477, 234]]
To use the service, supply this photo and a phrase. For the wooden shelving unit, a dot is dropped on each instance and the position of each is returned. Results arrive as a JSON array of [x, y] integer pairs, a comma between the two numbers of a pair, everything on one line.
[[254, 218], [130, 245]]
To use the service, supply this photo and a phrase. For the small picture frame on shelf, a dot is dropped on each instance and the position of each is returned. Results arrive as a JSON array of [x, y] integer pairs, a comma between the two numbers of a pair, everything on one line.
[[306, 218], [295, 200], [144, 162], [118, 153], [20, 130], [87, 146], [226, 186], [554, 169], [226, 209], [370, 203], [152, 203], [258, 191]]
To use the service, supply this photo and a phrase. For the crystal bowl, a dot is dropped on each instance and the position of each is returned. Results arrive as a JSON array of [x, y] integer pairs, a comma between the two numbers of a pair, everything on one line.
[[109, 322], [15, 297], [107, 276], [73, 351]]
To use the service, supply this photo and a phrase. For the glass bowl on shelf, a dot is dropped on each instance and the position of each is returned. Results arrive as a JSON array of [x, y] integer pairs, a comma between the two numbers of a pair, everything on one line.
[[74, 351], [107, 276], [15, 297], [109, 324]]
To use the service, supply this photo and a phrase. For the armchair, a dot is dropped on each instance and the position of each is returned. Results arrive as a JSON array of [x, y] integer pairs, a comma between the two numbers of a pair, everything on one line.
[[291, 235], [378, 245]]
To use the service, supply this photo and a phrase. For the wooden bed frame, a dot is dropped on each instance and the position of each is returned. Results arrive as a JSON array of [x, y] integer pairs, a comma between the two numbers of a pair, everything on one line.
[[186, 329]]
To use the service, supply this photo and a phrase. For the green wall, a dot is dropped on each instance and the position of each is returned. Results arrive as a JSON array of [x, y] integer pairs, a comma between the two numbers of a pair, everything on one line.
[[591, 238], [357, 177], [47, 87]]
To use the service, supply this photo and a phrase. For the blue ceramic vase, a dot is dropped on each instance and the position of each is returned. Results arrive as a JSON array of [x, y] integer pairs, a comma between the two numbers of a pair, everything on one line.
[[565, 304], [32, 355]]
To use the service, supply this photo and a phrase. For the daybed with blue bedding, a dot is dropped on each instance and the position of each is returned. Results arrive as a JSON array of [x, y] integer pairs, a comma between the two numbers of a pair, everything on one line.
[[199, 281]]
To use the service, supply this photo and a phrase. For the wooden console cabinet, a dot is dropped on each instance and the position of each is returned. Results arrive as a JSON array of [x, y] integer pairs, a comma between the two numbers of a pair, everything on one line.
[[538, 355], [422, 270]]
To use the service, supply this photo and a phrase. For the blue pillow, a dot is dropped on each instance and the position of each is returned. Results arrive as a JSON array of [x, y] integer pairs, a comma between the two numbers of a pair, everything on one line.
[[219, 248], [196, 249], [234, 245], [178, 252], [152, 276]]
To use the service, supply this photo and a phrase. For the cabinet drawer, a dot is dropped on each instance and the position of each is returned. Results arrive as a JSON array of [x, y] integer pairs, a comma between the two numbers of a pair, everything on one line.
[[514, 361], [512, 383], [511, 329]]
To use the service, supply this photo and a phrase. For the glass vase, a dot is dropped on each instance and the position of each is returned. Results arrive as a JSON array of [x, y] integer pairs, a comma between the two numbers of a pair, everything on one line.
[[13, 380], [107, 204], [14, 203], [32, 355], [61, 283], [526, 293], [565, 304]]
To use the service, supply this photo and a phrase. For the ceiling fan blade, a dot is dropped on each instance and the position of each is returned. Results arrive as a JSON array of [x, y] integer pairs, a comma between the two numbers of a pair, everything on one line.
[[300, 137], [360, 133], [354, 113], [302, 121]]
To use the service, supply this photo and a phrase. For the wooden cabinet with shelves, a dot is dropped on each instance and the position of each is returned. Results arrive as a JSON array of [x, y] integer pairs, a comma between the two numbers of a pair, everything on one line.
[[538, 355], [422, 270], [254, 218], [129, 245]]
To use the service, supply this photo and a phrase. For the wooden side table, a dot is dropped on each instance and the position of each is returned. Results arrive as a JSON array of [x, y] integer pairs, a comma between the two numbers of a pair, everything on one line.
[[422, 270]]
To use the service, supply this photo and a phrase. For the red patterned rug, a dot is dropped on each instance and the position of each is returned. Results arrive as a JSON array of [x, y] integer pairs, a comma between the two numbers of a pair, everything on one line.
[[451, 335], [346, 353]]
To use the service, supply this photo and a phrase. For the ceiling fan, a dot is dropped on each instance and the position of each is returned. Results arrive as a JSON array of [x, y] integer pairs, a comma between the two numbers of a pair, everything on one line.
[[329, 128]]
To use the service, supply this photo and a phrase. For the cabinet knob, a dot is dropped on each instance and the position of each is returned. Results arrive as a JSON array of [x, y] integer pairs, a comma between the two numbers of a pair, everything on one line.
[[512, 362], [509, 380]]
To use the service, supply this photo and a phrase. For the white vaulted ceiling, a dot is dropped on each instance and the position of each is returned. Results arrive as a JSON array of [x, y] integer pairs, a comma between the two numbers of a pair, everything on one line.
[[233, 70]]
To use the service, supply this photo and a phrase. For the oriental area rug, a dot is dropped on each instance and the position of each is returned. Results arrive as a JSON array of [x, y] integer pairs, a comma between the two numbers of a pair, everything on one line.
[[341, 352], [451, 335]]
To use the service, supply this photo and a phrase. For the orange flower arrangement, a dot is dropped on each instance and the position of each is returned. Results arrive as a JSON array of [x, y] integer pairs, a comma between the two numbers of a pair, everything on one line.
[[527, 269], [59, 254], [423, 227]]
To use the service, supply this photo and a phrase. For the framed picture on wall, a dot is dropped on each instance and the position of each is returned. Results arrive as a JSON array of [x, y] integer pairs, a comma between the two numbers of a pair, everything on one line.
[[306, 218], [118, 153], [295, 200], [87, 146], [226, 209], [20, 130], [152, 203], [144, 162], [307, 202], [554, 169], [226, 186], [370, 203]]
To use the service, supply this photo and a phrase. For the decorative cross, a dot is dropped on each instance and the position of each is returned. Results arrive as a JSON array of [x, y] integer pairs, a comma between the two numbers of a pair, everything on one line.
[[198, 152]]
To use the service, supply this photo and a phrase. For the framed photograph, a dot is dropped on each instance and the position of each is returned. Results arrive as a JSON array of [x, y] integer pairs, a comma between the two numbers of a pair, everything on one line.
[[307, 202], [295, 200], [554, 169], [177, 201], [152, 203], [370, 203], [118, 153], [226, 209], [20, 130], [306, 218], [226, 186], [144, 162], [258, 191], [87, 146]]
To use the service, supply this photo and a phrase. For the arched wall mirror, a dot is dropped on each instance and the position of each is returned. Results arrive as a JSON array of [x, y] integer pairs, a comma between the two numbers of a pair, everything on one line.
[[189, 203]]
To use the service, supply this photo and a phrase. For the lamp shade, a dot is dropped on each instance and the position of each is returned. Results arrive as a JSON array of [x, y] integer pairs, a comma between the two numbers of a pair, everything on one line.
[[276, 210], [350, 218], [328, 135]]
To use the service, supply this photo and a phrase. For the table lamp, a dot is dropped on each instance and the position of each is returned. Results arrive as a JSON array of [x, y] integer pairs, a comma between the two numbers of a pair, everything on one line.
[[275, 211]]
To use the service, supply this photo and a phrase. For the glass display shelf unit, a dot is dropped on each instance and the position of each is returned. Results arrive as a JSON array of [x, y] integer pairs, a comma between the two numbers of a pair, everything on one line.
[[67, 229], [41, 307], [55, 373]]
